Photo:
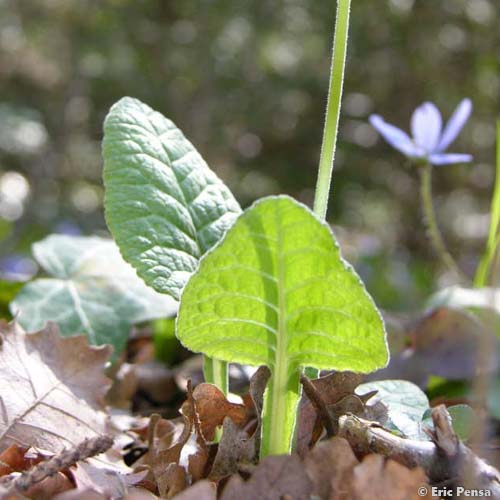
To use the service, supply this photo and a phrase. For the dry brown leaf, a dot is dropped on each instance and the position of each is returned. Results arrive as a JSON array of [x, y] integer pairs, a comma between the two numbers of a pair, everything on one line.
[[164, 451], [377, 479], [240, 444], [75, 494], [125, 384], [212, 407], [49, 487], [329, 466], [235, 446], [332, 388], [13, 460], [171, 480], [202, 490], [51, 388], [140, 494], [106, 481], [275, 477]]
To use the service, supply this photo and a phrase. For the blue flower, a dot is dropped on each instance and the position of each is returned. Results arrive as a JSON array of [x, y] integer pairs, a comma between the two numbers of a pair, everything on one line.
[[429, 140]]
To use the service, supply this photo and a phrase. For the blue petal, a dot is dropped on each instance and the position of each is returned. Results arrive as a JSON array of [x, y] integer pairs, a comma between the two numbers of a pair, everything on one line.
[[449, 158], [426, 126], [395, 137], [455, 124]]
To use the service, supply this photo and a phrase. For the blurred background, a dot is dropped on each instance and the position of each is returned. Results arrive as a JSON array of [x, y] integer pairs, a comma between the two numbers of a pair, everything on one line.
[[246, 81]]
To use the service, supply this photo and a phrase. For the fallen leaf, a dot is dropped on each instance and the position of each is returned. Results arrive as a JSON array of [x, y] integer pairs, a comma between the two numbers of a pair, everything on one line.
[[275, 477], [171, 480], [62, 386], [75, 494], [156, 381], [451, 335], [49, 487], [329, 466], [235, 446], [106, 481], [202, 490], [241, 444], [125, 384], [211, 407], [377, 479], [331, 388], [140, 494], [12, 459]]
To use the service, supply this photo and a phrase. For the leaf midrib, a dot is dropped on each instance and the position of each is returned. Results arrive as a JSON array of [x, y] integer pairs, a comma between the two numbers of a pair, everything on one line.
[[279, 378]]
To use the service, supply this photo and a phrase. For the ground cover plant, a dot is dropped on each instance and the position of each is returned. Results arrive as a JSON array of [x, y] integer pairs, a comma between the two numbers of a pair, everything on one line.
[[330, 398]]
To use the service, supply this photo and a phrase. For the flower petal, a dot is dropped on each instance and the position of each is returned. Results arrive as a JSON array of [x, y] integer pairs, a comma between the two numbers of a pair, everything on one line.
[[455, 124], [426, 126], [449, 158], [396, 137]]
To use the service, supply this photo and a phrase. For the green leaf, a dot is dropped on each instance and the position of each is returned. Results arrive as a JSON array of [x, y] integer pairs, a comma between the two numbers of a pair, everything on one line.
[[164, 207], [462, 419], [406, 404], [276, 291], [91, 290], [8, 290]]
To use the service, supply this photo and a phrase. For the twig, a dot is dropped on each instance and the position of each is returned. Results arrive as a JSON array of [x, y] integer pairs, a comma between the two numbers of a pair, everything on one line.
[[319, 404], [88, 448], [444, 459]]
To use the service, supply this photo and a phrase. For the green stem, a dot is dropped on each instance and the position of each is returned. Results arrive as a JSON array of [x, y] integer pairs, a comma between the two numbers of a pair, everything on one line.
[[327, 155], [215, 372], [328, 146], [283, 391], [430, 219], [483, 273]]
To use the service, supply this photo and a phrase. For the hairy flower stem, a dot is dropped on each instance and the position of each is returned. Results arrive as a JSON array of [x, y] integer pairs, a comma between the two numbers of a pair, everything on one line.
[[333, 104], [327, 155], [431, 222]]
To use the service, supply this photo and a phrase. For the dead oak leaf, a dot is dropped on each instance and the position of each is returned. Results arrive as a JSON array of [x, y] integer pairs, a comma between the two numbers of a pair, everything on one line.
[[13, 459], [331, 388], [202, 490], [241, 444], [329, 466], [51, 388], [377, 479], [275, 477], [109, 482], [211, 407]]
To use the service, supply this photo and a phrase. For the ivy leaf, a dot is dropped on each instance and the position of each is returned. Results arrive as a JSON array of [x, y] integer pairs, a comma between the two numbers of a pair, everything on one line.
[[164, 206], [276, 291], [91, 290], [406, 404]]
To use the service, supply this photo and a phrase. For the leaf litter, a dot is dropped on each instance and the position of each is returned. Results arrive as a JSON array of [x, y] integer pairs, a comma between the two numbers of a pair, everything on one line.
[[60, 440]]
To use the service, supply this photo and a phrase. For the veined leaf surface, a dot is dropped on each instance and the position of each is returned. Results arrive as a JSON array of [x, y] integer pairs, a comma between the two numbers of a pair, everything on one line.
[[91, 290], [276, 291], [164, 206]]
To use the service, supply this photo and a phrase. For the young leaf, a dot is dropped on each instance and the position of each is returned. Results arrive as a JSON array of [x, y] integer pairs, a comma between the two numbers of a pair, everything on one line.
[[276, 291], [406, 404], [164, 206], [91, 290]]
